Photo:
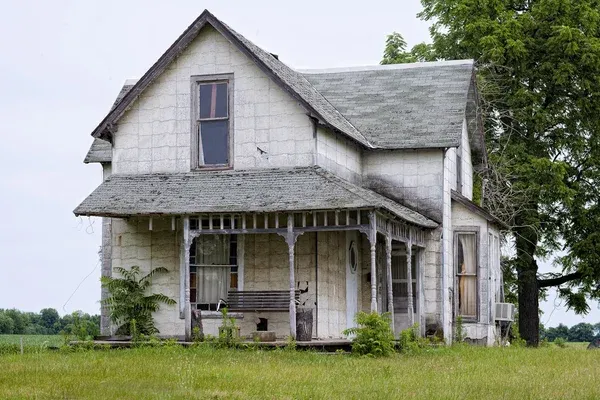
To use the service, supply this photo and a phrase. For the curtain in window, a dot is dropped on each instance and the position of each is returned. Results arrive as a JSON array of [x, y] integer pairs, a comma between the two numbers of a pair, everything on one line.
[[212, 281], [467, 295]]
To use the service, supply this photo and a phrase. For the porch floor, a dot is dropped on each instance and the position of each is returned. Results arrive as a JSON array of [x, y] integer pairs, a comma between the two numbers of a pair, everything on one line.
[[326, 345]]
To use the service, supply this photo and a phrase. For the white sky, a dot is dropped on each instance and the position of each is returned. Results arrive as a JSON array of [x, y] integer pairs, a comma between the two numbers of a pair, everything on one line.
[[63, 62]]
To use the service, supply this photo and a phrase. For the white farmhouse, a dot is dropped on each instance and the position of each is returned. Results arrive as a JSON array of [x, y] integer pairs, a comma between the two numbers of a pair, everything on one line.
[[268, 189]]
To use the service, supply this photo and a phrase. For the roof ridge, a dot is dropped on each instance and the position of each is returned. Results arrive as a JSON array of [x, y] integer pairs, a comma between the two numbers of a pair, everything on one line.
[[364, 68], [289, 79]]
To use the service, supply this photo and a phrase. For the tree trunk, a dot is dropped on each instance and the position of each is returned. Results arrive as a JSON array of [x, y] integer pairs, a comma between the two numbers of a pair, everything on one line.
[[528, 289]]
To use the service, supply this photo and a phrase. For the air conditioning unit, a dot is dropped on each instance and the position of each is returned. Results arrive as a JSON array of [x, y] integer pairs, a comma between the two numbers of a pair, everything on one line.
[[505, 312]]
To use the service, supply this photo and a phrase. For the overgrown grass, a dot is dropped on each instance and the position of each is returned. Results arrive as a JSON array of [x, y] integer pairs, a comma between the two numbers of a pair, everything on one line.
[[33, 340], [176, 373]]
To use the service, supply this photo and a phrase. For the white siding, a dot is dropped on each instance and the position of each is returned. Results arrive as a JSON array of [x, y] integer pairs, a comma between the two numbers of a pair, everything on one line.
[[412, 177], [339, 155], [154, 135], [466, 164]]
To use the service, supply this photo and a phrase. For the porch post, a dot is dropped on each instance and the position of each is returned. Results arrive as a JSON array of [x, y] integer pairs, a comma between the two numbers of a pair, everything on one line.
[[373, 241], [291, 242], [411, 314], [388, 262], [185, 270]]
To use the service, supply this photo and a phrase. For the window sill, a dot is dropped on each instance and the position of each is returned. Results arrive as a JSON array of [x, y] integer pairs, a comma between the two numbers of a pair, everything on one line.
[[212, 168]]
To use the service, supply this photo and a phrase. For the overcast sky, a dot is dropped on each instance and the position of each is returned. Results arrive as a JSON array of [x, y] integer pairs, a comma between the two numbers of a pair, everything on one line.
[[62, 63]]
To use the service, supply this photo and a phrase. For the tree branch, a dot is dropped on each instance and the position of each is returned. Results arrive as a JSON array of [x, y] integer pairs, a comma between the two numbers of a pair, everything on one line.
[[542, 283]]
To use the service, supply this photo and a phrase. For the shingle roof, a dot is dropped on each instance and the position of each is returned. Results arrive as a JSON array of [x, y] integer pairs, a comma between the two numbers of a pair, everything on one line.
[[267, 190], [418, 105], [101, 150]]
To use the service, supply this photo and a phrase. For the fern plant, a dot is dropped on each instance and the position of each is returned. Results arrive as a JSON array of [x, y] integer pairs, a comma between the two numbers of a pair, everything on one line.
[[129, 304]]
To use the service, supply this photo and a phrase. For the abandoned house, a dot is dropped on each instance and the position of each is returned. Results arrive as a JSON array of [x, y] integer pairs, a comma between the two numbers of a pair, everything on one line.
[[266, 190]]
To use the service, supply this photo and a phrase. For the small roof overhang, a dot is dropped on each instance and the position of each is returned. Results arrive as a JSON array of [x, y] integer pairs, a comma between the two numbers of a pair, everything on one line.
[[459, 198], [265, 190]]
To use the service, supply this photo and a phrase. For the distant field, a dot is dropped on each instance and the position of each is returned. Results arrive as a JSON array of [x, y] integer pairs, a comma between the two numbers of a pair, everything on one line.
[[207, 373], [33, 340]]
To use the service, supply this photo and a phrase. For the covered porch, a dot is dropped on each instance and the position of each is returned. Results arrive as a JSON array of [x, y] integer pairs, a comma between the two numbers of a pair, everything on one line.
[[312, 239], [325, 257]]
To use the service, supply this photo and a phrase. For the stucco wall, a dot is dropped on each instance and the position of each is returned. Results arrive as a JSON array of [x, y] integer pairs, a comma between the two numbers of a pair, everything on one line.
[[339, 155], [412, 177], [133, 244], [154, 134]]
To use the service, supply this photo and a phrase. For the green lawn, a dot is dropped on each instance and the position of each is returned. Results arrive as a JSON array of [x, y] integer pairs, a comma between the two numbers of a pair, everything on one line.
[[33, 340], [204, 373]]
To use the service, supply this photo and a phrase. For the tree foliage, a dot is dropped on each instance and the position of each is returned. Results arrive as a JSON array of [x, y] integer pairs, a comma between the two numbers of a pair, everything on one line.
[[128, 302], [46, 322], [538, 67]]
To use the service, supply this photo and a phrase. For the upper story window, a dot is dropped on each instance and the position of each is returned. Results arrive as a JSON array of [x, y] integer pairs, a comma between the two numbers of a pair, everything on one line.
[[211, 133]]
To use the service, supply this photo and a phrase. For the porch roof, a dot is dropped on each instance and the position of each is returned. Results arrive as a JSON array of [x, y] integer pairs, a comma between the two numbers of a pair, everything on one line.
[[264, 190]]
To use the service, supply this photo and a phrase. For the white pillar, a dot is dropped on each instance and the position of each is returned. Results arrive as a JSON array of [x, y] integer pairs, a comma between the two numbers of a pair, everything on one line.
[[185, 269], [411, 314], [373, 241], [291, 242], [388, 262]]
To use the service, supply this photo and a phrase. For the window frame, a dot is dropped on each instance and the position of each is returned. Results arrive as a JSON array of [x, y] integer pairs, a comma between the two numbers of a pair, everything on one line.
[[195, 283], [195, 123], [476, 231]]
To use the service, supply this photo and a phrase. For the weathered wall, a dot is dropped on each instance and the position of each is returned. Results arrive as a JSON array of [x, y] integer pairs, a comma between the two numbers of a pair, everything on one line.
[[133, 244], [488, 272], [339, 155], [154, 135], [332, 284], [466, 164], [412, 177], [431, 264], [447, 274]]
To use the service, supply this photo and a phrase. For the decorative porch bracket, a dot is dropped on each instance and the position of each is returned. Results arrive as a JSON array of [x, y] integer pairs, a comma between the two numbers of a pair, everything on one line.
[[290, 237]]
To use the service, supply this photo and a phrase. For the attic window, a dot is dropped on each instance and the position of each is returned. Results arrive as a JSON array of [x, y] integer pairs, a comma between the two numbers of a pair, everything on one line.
[[211, 133]]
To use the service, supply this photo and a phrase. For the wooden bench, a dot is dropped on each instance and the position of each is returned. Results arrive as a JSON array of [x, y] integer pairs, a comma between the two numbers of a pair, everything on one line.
[[261, 300]]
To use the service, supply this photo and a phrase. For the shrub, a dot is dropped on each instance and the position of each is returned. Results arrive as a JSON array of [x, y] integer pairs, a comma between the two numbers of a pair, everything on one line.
[[374, 335], [228, 331], [560, 342], [411, 341], [128, 301], [459, 333]]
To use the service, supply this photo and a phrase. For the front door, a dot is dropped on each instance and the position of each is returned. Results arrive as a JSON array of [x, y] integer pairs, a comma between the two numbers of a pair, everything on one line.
[[352, 273], [400, 289]]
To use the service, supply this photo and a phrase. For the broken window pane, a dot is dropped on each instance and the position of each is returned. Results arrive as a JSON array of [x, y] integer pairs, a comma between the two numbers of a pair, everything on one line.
[[214, 136], [213, 100]]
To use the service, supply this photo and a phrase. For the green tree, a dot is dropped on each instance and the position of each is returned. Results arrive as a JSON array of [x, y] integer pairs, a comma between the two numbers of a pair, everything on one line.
[[128, 300], [49, 319], [395, 51], [582, 332], [561, 331], [7, 325], [539, 78]]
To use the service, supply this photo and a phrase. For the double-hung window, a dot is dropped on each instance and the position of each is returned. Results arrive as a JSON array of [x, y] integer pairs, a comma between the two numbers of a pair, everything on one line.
[[213, 270], [211, 137], [466, 257]]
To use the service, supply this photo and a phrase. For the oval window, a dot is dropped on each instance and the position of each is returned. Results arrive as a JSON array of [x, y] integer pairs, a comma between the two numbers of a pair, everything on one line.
[[353, 258]]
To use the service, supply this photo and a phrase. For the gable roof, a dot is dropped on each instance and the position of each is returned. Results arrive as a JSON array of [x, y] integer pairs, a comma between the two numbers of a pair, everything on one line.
[[459, 198], [232, 191], [420, 105], [291, 81]]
